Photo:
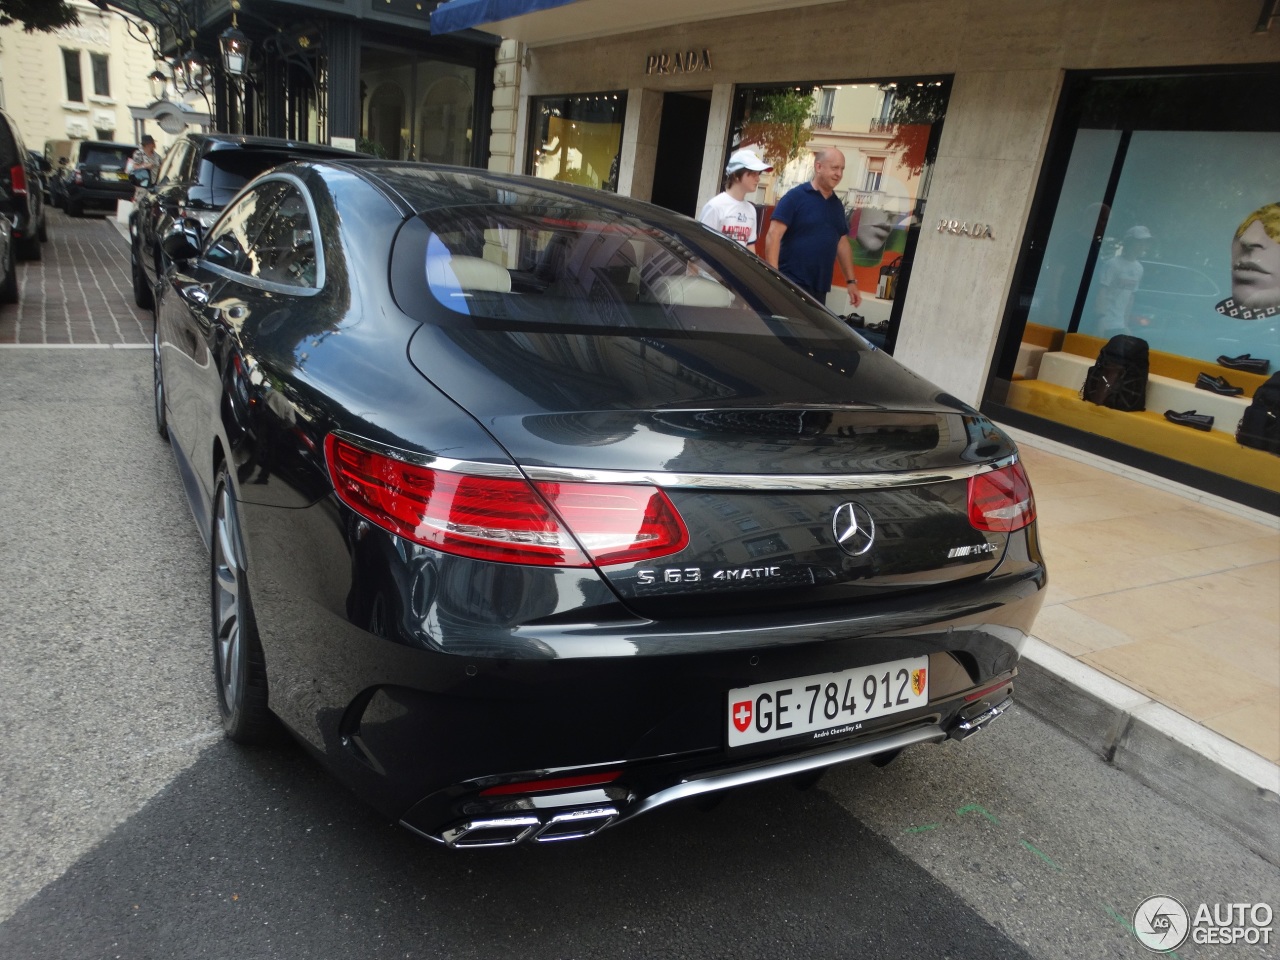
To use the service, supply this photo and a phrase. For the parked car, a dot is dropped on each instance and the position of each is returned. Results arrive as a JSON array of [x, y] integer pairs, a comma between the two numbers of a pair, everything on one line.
[[8, 263], [21, 198], [44, 172], [58, 155], [534, 508], [97, 177], [199, 175]]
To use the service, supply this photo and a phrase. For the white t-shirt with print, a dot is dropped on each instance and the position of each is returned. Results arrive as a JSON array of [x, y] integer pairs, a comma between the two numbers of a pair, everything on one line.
[[736, 219]]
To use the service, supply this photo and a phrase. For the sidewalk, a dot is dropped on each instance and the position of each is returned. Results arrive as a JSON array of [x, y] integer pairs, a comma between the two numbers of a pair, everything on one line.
[[1159, 642]]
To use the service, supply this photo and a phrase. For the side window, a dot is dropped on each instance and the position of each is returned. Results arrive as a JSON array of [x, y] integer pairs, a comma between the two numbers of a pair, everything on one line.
[[230, 242], [171, 167], [286, 249]]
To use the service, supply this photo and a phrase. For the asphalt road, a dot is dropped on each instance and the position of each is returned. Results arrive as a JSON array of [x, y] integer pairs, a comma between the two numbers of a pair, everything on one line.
[[130, 829]]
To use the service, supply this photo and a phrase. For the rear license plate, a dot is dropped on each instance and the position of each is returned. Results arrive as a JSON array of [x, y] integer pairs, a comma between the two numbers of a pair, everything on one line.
[[826, 704], [121, 175]]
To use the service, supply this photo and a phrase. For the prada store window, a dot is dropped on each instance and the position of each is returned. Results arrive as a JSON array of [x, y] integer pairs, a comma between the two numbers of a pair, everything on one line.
[[1160, 226], [578, 139]]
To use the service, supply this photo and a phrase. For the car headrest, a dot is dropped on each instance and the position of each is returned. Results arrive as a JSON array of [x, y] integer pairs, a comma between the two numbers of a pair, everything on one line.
[[467, 274], [692, 292]]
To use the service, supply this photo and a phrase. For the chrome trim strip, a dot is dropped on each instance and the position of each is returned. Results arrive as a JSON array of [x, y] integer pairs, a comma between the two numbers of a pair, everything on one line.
[[784, 768], [696, 481], [752, 481]]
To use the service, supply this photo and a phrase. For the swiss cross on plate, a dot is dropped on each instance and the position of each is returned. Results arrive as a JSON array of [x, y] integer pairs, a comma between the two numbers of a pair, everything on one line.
[[741, 714]]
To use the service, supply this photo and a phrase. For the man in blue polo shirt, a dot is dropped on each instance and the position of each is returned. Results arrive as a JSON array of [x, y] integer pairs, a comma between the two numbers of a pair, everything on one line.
[[809, 231]]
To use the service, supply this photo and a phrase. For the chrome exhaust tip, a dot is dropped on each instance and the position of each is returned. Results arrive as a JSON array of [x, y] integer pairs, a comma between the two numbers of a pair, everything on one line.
[[967, 728], [509, 831], [491, 832]]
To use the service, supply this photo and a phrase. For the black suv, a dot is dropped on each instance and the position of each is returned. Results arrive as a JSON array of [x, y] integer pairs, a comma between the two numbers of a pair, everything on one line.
[[99, 178], [200, 175], [21, 195]]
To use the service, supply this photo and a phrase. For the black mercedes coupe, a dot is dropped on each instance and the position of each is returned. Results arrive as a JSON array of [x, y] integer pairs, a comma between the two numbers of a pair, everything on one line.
[[532, 508]]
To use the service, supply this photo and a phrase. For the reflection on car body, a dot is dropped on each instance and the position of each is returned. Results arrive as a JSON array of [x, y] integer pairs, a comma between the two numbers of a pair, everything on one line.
[[518, 493]]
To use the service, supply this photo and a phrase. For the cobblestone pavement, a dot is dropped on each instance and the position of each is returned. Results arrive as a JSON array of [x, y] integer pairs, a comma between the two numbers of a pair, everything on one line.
[[80, 293]]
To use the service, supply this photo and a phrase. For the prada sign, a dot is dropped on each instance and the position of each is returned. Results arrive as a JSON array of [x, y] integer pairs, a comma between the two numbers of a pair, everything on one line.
[[963, 228], [691, 61]]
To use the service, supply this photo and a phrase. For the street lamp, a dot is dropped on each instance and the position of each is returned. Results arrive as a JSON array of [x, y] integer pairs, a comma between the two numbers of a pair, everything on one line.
[[235, 46], [158, 83]]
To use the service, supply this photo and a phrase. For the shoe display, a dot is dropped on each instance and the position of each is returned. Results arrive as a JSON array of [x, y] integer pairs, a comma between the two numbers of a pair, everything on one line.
[[1217, 385], [1245, 362], [1189, 418]]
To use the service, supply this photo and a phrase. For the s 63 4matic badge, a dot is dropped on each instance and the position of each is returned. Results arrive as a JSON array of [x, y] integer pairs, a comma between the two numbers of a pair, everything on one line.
[[701, 574]]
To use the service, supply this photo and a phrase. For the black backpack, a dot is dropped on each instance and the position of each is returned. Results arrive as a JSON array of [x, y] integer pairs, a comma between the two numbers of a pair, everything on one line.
[[1119, 379], [1260, 425]]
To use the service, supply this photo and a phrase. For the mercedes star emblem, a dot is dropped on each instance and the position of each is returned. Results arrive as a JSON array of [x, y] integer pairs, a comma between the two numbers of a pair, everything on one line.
[[854, 529]]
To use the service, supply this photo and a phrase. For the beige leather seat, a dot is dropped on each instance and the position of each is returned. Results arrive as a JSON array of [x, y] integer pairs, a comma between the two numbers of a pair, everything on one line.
[[692, 292], [471, 274]]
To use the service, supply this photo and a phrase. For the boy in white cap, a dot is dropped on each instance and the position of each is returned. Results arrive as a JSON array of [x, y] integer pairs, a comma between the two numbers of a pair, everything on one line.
[[730, 213]]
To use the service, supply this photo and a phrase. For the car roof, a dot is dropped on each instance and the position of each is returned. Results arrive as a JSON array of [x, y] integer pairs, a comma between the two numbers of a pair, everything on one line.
[[112, 144], [417, 187], [208, 142]]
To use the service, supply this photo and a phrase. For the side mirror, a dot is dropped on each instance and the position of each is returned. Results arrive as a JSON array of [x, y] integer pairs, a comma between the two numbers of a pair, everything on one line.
[[140, 178], [181, 241]]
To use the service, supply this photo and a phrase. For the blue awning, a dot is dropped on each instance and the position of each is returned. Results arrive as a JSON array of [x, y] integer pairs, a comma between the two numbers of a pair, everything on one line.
[[455, 15]]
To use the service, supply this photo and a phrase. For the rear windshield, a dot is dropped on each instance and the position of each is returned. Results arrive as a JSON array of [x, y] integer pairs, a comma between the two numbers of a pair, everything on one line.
[[589, 270], [223, 172], [106, 156]]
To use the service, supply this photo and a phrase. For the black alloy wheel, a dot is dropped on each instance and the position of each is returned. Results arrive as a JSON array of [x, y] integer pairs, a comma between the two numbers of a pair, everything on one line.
[[157, 384], [239, 668]]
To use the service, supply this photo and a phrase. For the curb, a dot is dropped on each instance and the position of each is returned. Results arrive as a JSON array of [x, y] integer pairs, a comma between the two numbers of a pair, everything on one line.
[[1222, 782]]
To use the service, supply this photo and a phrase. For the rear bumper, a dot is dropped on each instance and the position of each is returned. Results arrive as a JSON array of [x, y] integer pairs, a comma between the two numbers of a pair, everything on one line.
[[99, 196], [474, 687], [550, 817]]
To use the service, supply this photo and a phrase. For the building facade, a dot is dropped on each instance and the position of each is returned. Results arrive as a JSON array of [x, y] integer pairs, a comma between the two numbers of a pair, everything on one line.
[[353, 73], [977, 133], [77, 83]]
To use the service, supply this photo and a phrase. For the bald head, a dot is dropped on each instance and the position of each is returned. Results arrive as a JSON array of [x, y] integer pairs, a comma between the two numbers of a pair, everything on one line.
[[828, 170]]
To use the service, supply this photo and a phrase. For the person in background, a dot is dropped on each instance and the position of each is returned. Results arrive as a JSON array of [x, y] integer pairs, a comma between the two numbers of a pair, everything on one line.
[[809, 231], [146, 157], [1118, 282], [730, 213]]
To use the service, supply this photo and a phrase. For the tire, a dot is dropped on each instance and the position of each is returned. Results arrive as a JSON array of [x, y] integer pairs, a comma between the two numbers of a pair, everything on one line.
[[29, 249], [44, 227], [9, 289], [239, 669], [75, 209], [142, 293], [157, 384]]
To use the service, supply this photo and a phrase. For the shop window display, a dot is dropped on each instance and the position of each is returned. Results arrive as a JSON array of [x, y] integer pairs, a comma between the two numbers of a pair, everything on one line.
[[888, 131], [1161, 221], [578, 139]]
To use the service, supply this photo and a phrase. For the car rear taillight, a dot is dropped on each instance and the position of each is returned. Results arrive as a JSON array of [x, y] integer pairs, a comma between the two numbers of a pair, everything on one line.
[[18, 180], [505, 519], [1001, 501], [78, 176]]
